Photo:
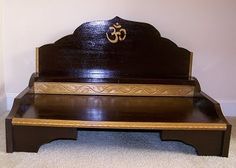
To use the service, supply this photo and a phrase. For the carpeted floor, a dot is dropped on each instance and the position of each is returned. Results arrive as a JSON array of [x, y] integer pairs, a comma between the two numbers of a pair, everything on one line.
[[112, 149]]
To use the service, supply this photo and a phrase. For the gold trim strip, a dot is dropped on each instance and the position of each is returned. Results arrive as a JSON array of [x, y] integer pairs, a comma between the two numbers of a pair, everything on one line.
[[113, 89], [118, 125], [37, 60], [190, 65]]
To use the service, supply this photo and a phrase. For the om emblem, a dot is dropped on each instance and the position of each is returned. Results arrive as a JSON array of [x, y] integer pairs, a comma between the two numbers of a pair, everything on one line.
[[117, 34]]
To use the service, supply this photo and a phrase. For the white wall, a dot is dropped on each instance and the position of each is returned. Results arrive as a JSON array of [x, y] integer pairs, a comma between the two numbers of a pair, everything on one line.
[[2, 89], [206, 27]]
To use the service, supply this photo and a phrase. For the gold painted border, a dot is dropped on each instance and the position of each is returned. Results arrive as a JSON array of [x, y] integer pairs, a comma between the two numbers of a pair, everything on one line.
[[37, 60], [190, 64], [118, 125], [113, 89]]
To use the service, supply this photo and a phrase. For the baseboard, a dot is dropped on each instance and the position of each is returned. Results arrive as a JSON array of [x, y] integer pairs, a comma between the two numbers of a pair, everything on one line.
[[3, 107], [228, 106], [10, 99]]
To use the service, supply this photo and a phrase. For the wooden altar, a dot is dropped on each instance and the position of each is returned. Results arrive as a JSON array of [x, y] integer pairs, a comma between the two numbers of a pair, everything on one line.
[[115, 75]]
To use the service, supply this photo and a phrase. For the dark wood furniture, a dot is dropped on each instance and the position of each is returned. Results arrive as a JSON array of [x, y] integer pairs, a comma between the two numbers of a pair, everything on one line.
[[115, 75]]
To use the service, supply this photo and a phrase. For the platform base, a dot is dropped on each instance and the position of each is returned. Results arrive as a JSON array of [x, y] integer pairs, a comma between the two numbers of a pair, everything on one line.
[[30, 138], [206, 143]]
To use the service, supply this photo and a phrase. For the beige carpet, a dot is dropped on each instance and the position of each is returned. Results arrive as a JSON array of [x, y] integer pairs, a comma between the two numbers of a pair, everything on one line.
[[112, 149]]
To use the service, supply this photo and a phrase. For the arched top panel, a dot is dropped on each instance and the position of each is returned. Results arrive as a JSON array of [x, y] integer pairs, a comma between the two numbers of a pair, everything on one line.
[[114, 49]]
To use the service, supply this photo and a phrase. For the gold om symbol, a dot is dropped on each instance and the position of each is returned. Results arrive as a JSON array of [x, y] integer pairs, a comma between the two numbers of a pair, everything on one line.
[[117, 34]]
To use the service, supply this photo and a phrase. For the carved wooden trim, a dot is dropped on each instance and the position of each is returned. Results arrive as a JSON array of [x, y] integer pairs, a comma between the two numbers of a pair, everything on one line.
[[118, 125], [37, 60], [113, 89]]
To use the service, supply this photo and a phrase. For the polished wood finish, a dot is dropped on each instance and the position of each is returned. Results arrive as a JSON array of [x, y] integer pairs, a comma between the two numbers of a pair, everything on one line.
[[87, 53], [226, 141], [118, 108], [122, 54], [9, 135], [29, 139], [17, 137], [205, 142], [209, 143]]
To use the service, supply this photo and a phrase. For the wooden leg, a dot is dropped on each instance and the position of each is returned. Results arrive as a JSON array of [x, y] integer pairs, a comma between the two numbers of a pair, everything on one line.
[[29, 139], [226, 141], [210, 143], [9, 136]]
